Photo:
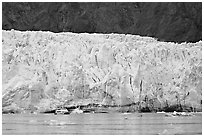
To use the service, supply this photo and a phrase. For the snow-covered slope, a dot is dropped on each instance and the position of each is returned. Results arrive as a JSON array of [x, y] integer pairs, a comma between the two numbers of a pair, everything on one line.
[[44, 70]]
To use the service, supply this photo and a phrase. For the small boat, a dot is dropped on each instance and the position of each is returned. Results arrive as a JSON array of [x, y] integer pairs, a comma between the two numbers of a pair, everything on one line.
[[186, 114], [77, 111], [126, 113], [175, 113], [162, 112], [178, 114], [61, 111]]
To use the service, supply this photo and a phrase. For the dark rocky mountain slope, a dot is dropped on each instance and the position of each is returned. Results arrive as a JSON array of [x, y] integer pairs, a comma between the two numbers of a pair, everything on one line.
[[176, 22]]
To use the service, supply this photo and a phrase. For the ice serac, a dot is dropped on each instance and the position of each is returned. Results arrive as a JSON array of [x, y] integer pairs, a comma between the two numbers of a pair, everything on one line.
[[43, 70]]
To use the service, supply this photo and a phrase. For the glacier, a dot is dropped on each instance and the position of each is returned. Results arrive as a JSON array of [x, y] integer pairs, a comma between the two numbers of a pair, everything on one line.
[[42, 71]]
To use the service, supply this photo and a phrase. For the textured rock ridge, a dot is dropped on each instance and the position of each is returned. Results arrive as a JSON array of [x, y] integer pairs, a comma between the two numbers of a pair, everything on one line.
[[44, 70], [167, 21]]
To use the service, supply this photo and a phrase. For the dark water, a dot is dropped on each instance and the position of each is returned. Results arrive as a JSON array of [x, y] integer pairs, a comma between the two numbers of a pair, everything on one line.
[[101, 124]]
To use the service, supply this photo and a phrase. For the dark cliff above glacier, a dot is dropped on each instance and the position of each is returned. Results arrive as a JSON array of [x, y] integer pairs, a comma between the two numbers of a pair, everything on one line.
[[177, 22]]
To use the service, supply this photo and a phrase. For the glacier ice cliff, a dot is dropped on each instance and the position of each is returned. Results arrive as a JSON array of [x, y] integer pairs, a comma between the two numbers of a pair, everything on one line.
[[42, 71]]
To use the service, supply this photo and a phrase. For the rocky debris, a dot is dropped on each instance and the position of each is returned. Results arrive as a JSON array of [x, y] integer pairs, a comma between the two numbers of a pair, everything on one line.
[[43, 71], [167, 21], [11, 109]]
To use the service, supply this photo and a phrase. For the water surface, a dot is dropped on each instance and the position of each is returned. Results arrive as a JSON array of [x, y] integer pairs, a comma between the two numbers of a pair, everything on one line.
[[116, 123]]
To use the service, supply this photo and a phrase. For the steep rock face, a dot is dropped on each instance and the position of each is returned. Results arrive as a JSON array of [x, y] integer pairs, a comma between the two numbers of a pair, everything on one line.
[[44, 70], [178, 22]]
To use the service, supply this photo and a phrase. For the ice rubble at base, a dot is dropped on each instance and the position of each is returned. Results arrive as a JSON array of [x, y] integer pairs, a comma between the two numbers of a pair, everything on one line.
[[43, 70]]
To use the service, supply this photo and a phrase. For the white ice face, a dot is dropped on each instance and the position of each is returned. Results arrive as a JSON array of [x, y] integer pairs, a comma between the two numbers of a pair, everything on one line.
[[85, 64]]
